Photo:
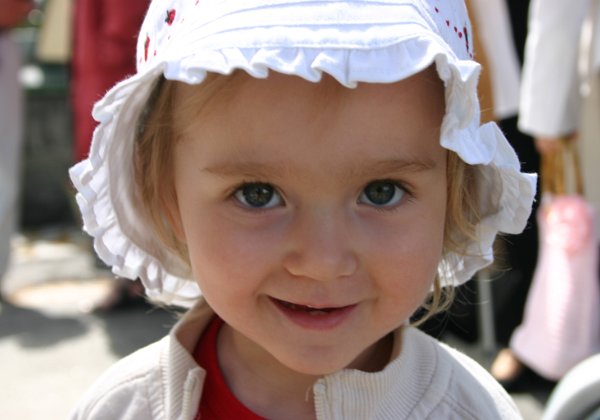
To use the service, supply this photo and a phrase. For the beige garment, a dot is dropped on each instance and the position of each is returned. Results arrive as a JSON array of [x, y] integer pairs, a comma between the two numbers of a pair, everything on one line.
[[589, 124], [424, 379], [589, 145], [500, 79], [54, 40], [484, 88], [11, 132]]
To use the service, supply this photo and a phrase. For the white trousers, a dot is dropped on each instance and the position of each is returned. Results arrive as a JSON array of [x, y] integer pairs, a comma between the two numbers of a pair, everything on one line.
[[11, 134]]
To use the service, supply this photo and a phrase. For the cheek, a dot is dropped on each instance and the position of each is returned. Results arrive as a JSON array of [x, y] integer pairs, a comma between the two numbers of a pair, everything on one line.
[[408, 279], [220, 250], [413, 256], [408, 254]]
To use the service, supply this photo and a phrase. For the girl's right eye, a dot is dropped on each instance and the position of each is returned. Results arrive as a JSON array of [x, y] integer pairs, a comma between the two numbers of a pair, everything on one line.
[[258, 196]]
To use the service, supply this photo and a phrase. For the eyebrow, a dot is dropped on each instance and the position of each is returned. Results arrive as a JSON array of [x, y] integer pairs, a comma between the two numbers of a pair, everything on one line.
[[277, 170]]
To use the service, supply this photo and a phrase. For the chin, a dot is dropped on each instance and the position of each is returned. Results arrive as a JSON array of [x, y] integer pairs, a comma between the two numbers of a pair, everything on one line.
[[316, 371], [317, 364]]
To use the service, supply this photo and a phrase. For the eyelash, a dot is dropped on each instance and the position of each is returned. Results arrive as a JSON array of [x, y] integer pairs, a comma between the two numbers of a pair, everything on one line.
[[407, 195], [239, 187]]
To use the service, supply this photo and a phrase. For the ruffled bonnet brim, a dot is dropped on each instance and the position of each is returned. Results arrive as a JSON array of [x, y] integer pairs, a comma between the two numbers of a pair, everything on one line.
[[111, 207]]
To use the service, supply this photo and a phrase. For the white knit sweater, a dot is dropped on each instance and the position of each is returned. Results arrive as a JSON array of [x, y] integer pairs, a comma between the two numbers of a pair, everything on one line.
[[424, 380]]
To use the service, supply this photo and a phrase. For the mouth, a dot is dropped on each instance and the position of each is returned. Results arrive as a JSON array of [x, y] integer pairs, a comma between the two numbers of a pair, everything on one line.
[[313, 317], [306, 308]]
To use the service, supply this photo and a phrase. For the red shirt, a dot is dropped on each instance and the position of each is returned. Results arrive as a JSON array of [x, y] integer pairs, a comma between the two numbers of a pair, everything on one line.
[[217, 401]]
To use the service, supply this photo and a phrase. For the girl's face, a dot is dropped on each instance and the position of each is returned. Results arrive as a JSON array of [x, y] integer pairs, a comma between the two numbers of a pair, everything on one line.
[[313, 214]]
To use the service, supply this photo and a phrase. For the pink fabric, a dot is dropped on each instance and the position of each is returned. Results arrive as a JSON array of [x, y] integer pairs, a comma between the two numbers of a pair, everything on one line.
[[561, 325]]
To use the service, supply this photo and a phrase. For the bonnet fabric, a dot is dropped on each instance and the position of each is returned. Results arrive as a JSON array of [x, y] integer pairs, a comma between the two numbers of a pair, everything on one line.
[[376, 41]]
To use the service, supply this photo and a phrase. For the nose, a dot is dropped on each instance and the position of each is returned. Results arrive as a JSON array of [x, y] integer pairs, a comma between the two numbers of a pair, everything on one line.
[[320, 246]]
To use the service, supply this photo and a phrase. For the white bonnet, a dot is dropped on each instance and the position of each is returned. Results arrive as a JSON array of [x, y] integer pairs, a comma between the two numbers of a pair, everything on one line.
[[377, 41]]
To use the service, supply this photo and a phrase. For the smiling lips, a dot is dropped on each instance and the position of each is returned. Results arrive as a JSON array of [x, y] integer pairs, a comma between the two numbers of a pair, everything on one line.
[[314, 318]]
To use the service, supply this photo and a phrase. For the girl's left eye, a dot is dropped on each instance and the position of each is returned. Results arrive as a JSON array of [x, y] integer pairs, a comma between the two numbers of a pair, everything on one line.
[[258, 196], [382, 194]]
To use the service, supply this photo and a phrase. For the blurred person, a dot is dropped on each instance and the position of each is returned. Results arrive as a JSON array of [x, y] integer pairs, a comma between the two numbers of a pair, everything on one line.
[[105, 33], [500, 29], [551, 102], [12, 12], [517, 253], [501, 26], [504, 44]]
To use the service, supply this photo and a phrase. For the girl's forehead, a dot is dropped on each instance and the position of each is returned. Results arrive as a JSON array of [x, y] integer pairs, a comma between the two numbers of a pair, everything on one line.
[[283, 117], [243, 94]]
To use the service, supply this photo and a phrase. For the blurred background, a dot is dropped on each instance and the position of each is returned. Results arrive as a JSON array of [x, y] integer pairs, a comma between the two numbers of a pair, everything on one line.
[[54, 340], [46, 197], [63, 321]]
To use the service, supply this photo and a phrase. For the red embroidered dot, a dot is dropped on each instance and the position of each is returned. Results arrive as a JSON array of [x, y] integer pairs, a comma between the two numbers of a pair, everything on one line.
[[447, 23], [455, 29], [460, 34], [436, 10], [170, 17]]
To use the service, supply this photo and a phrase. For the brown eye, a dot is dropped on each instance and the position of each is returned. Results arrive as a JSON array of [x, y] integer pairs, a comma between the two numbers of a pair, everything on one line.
[[258, 195], [381, 194]]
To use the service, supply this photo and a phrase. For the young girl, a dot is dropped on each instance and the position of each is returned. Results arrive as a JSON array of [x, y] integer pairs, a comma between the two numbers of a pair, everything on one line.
[[304, 175]]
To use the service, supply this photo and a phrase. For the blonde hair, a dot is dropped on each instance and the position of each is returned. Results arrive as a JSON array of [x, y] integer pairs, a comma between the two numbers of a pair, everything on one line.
[[154, 177], [462, 218]]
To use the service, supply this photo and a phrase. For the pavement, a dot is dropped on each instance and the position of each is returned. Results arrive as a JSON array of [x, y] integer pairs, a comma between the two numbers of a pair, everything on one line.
[[53, 347]]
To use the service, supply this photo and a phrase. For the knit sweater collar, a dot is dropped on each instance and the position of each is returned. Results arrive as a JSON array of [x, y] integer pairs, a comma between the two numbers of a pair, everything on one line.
[[348, 393]]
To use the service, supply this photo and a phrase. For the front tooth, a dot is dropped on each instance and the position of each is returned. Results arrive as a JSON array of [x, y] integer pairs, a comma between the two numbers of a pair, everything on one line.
[[306, 308], [293, 306], [318, 312]]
